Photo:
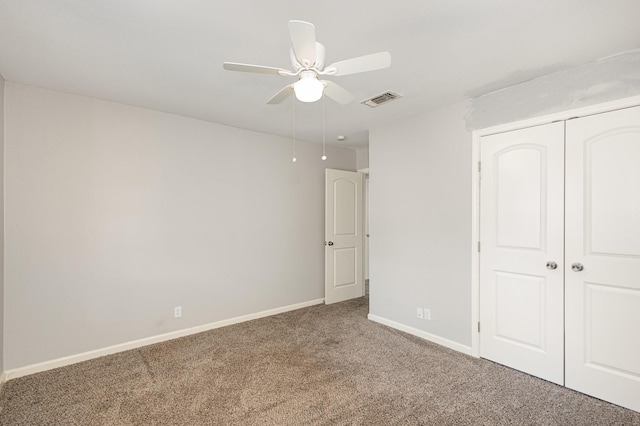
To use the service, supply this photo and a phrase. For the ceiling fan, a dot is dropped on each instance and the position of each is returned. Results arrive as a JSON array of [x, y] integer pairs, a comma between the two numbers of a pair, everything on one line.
[[307, 59]]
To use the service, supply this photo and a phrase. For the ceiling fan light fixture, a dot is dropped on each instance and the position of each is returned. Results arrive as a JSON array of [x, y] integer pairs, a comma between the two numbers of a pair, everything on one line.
[[308, 88]]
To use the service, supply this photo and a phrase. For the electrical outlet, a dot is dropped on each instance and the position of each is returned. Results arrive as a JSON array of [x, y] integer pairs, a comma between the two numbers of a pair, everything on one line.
[[427, 314], [420, 313], [177, 312]]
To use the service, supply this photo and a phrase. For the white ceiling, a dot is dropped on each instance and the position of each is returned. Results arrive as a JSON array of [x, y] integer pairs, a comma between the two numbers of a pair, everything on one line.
[[167, 55]]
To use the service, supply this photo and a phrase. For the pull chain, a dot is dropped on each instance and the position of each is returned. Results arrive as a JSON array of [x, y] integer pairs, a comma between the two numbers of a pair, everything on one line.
[[294, 159], [324, 153]]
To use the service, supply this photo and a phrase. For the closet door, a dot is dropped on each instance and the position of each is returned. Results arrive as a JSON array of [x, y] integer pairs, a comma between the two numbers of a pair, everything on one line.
[[603, 256], [521, 256]]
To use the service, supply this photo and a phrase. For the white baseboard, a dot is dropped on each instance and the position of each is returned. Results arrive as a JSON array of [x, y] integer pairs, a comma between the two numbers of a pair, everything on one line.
[[423, 334], [85, 356]]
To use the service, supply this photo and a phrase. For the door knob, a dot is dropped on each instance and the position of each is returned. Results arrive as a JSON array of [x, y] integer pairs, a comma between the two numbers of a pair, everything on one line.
[[577, 267], [330, 243], [552, 265]]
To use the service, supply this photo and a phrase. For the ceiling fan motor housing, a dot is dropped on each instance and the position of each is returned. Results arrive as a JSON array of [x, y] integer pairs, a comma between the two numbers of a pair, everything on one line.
[[318, 64]]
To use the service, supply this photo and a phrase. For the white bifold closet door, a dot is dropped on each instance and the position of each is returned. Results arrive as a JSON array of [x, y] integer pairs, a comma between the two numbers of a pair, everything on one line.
[[560, 253], [603, 236]]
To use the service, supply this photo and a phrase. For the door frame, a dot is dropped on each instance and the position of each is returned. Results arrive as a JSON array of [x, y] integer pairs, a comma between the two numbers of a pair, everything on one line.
[[365, 222], [475, 190]]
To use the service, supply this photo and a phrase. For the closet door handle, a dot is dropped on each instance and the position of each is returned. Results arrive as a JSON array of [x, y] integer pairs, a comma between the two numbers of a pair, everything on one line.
[[577, 267], [552, 265]]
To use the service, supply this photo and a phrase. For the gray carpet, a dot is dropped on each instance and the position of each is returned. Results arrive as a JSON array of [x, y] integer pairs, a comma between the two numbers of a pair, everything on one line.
[[323, 365]]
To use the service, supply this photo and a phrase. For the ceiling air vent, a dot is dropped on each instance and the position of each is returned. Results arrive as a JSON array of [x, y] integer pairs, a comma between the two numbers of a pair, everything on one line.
[[381, 99]]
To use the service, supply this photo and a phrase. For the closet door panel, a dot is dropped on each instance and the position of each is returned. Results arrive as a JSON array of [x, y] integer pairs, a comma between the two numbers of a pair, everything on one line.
[[603, 237], [521, 229]]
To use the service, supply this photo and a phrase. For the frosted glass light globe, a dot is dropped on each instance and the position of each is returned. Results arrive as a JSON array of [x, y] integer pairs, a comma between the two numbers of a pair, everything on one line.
[[308, 88]]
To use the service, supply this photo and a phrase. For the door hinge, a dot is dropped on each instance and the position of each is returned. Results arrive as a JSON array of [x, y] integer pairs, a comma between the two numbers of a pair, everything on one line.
[[479, 166], [478, 326], [478, 246]]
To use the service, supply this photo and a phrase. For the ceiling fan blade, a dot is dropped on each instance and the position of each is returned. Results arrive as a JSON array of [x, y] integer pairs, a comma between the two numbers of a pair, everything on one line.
[[303, 39], [365, 63], [234, 66], [337, 93], [281, 95]]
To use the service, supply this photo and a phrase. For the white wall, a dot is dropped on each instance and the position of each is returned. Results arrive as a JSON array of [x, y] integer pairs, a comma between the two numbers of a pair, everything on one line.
[[420, 204], [362, 158], [1, 224], [116, 214], [420, 192]]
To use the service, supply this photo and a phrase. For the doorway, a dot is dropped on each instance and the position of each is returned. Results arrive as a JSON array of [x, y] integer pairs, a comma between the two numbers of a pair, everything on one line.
[[365, 172]]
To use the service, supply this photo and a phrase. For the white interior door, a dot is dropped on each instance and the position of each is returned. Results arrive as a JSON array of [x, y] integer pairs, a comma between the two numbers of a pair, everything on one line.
[[521, 236], [343, 236], [603, 236]]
